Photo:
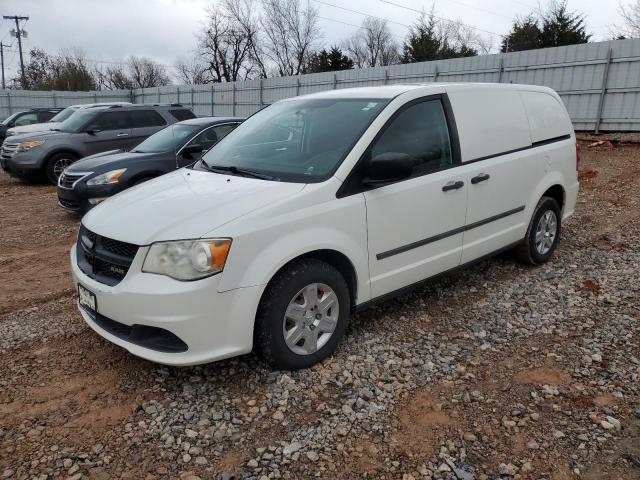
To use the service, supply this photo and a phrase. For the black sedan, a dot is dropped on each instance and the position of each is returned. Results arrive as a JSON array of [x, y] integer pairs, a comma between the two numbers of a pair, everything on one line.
[[89, 181]]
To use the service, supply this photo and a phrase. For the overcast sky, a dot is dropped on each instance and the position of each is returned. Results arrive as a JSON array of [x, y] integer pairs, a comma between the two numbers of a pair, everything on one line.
[[110, 30]]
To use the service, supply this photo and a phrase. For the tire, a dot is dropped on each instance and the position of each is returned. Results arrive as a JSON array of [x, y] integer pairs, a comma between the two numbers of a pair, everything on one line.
[[543, 233], [56, 164], [287, 308]]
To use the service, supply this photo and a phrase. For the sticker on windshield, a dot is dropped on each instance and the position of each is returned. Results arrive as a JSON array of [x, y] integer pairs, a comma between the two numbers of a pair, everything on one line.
[[369, 106]]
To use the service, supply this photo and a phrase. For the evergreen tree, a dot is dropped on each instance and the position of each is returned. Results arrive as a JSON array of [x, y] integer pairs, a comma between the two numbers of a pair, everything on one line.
[[561, 27], [525, 35], [330, 61], [429, 40]]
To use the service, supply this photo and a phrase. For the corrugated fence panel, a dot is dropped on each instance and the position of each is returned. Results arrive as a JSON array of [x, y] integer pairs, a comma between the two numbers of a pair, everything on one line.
[[576, 72]]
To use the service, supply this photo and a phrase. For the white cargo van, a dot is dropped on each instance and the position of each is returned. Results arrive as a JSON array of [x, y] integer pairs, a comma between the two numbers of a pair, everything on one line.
[[317, 206]]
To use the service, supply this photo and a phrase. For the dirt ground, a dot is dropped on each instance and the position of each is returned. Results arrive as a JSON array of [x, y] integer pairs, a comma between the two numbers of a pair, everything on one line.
[[67, 396]]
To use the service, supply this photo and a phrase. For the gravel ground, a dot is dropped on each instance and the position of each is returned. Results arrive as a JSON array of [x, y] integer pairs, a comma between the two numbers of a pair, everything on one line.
[[500, 371]]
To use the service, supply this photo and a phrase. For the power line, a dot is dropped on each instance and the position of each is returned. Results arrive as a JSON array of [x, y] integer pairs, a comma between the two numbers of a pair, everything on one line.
[[360, 13], [444, 19]]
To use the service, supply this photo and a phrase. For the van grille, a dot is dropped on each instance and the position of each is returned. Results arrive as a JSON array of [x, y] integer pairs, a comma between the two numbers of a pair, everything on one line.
[[104, 259]]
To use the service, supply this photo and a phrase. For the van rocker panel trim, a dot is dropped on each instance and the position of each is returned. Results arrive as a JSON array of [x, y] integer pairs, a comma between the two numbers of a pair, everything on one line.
[[440, 236]]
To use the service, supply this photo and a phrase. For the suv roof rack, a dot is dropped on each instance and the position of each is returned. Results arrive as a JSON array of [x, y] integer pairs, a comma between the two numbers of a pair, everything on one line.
[[139, 105]]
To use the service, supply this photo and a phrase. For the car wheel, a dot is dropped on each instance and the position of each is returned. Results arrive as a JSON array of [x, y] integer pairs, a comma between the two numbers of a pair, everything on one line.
[[543, 234], [56, 165], [303, 315]]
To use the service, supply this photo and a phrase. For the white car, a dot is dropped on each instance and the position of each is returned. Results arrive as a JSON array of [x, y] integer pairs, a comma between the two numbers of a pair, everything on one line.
[[318, 206]]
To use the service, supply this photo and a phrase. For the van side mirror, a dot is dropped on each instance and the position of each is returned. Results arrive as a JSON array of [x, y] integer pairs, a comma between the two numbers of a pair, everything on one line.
[[387, 168], [190, 150]]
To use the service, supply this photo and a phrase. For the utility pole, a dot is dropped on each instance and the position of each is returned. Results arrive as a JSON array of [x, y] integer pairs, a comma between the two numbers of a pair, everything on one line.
[[19, 34], [2, 47]]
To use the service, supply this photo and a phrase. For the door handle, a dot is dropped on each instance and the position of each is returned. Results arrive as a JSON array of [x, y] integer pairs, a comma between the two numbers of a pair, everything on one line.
[[453, 186], [122, 135], [480, 178]]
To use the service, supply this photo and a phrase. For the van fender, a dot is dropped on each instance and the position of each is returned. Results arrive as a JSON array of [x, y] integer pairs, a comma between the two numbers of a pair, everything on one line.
[[549, 180], [261, 268]]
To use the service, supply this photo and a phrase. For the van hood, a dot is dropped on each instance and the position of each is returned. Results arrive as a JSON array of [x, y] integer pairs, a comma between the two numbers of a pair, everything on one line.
[[181, 205]]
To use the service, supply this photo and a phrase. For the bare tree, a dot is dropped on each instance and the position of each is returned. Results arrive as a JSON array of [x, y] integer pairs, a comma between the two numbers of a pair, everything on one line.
[[246, 16], [290, 29], [145, 72], [463, 38], [192, 72], [113, 77], [631, 15], [225, 45], [136, 72], [373, 45]]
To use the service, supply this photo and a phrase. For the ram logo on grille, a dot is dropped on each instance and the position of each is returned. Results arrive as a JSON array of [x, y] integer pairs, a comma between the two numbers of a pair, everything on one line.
[[117, 270]]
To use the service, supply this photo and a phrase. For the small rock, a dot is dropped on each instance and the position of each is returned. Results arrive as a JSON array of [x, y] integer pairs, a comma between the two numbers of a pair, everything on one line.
[[293, 447], [313, 456], [507, 469], [253, 463], [614, 422], [186, 458], [7, 473], [558, 434], [201, 461], [470, 437], [533, 445]]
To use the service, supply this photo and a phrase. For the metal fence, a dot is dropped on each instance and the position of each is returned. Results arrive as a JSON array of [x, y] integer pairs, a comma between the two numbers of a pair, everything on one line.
[[599, 83]]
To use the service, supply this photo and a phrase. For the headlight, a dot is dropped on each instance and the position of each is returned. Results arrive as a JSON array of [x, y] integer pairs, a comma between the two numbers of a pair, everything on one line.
[[25, 146], [187, 259], [107, 178]]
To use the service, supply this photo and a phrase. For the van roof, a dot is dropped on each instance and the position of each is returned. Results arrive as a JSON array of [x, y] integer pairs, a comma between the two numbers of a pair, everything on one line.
[[391, 91]]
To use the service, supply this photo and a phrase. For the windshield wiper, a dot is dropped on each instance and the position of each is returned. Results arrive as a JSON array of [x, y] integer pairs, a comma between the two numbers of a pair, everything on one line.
[[244, 172], [55, 129]]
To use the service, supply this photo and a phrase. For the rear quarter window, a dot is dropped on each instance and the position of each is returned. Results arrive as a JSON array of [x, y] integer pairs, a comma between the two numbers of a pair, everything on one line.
[[146, 118], [547, 116], [490, 121], [182, 114]]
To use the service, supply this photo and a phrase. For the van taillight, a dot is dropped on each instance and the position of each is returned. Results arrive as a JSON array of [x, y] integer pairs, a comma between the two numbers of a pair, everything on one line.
[[577, 156]]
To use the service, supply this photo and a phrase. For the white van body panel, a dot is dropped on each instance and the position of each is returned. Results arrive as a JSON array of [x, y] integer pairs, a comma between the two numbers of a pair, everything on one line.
[[519, 137]]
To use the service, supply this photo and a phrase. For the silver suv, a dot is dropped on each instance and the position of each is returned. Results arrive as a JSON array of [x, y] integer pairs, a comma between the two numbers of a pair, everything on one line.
[[87, 132], [58, 118]]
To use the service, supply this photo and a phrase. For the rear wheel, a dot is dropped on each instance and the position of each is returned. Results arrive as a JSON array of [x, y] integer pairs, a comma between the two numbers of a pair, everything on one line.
[[303, 315], [543, 234], [56, 165]]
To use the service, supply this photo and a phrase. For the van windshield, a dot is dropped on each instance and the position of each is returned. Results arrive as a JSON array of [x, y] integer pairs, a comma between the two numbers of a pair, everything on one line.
[[300, 140]]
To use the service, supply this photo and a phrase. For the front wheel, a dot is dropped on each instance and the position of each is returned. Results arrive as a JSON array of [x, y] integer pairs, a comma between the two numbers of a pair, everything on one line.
[[303, 315], [56, 165], [543, 234]]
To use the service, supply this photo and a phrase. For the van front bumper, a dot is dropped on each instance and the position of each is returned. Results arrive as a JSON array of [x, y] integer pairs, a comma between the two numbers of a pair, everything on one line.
[[168, 321]]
